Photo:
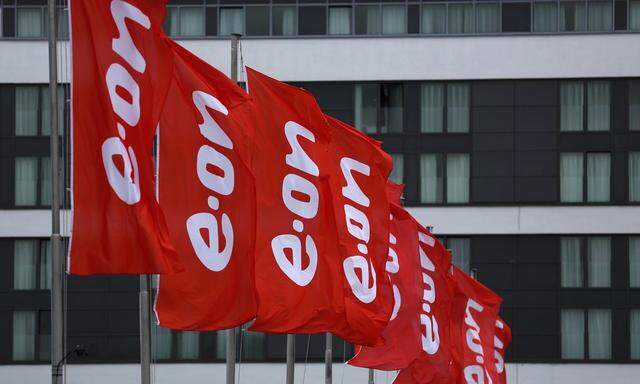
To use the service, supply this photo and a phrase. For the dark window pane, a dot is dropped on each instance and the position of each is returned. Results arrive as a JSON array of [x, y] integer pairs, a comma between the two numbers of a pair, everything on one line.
[[621, 15], [391, 103], [284, 21], [367, 20], [572, 16], [8, 23], [366, 108], [257, 21], [312, 20], [516, 17], [212, 21]]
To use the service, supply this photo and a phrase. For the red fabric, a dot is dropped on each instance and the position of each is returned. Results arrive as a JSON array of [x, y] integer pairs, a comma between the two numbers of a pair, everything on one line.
[[121, 73], [207, 192], [394, 192], [403, 334], [359, 170], [474, 314], [297, 257], [501, 342]]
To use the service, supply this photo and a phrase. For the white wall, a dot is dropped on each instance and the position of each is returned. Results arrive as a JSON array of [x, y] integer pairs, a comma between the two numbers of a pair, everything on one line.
[[387, 58], [275, 374]]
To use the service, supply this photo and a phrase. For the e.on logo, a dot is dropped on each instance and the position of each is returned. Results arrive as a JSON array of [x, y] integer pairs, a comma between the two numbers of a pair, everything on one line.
[[358, 227], [125, 184], [499, 345], [220, 184], [430, 336], [474, 373], [295, 186]]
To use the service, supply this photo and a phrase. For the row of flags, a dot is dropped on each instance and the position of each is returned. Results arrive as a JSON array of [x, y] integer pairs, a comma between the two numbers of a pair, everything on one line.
[[257, 207]]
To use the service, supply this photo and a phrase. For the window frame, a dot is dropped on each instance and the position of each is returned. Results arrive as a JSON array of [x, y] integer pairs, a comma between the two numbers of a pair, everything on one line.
[[445, 107], [380, 109], [585, 334], [38, 326], [40, 242], [585, 177], [584, 261], [441, 164], [584, 83]]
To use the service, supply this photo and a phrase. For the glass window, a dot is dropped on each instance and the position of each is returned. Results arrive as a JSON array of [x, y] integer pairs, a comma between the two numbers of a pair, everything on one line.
[[257, 21], [600, 15], [598, 177], [571, 177], [460, 252], [572, 16], [191, 21], [44, 335], [634, 104], [570, 263], [598, 105], [366, 107], [516, 17], [571, 106], [45, 264], [29, 22], [24, 264], [599, 333], [460, 18], [394, 19], [161, 340], [26, 110], [172, 21], [231, 21], [488, 18], [391, 105], [368, 20], [339, 20], [634, 262], [26, 181], [284, 21], [599, 260], [253, 345], [24, 336], [397, 173], [188, 345], [431, 108], [45, 184], [458, 107], [221, 344], [45, 116], [545, 17], [431, 178], [635, 333], [634, 176], [634, 15], [458, 178], [572, 333], [434, 18]]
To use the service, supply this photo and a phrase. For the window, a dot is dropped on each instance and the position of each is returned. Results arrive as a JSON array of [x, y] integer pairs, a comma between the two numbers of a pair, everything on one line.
[[598, 105], [458, 107], [181, 345], [339, 20], [253, 345], [434, 18], [487, 18], [31, 264], [571, 106], [634, 338], [394, 20], [460, 252], [161, 342], [312, 20], [598, 184], [634, 262], [516, 17], [597, 335], [634, 15], [455, 183], [545, 17], [33, 182], [257, 21], [598, 262], [432, 107], [32, 109], [634, 102], [284, 20], [221, 344], [460, 18], [634, 176], [231, 21], [368, 20], [188, 345], [24, 336], [379, 107], [397, 173], [600, 15], [572, 16], [29, 22], [185, 21]]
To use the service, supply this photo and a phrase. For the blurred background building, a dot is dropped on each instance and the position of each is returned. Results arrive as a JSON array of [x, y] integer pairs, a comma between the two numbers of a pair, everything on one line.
[[515, 126]]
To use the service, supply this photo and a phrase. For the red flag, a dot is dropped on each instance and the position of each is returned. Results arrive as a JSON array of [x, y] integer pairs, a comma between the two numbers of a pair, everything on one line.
[[121, 72], [208, 195], [474, 314], [297, 254], [359, 170], [403, 334], [501, 342]]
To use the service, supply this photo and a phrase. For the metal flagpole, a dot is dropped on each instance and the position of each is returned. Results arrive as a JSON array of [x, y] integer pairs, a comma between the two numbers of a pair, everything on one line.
[[145, 329], [328, 359], [231, 333], [291, 351], [57, 273]]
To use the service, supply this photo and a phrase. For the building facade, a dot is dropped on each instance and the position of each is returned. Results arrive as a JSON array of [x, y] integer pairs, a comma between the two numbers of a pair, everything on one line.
[[515, 126]]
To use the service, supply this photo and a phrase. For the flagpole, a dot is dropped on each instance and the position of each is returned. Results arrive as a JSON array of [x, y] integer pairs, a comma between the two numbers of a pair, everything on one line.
[[328, 359], [145, 329], [231, 333], [290, 358], [57, 273]]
